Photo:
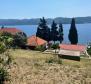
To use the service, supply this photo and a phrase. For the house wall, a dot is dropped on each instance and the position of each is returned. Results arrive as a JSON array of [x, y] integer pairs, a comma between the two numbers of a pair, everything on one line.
[[76, 58], [69, 52]]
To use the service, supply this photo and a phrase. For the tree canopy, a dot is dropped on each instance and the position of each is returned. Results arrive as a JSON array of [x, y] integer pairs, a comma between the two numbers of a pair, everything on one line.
[[60, 33], [54, 32], [43, 31], [20, 39], [73, 35]]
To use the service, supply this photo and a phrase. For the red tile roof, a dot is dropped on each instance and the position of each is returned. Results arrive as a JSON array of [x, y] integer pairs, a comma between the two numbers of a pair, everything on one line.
[[10, 30], [34, 41], [73, 47]]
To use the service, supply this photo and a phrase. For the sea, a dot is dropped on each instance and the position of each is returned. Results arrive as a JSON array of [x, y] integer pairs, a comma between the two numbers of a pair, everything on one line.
[[84, 31]]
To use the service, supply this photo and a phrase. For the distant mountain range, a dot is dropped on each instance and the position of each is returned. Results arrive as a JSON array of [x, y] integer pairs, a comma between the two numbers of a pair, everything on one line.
[[79, 20]]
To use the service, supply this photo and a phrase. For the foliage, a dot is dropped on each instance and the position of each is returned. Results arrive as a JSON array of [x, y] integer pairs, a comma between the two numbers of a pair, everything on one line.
[[54, 32], [3, 75], [60, 33], [17, 40], [55, 46], [20, 39], [9, 58], [50, 60], [6, 34], [40, 48], [43, 31], [89, 48], [73, 35], [54, 60], [7, 39], [4, 61], [2, 47]]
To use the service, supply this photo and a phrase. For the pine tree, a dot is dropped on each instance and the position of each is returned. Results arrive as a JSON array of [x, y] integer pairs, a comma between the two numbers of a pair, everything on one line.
[[73, 35], [54, 32], [60, 33], [43, 31]]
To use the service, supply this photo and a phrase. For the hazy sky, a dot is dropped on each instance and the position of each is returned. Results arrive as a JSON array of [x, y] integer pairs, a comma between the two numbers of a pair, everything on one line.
[[47, 8]]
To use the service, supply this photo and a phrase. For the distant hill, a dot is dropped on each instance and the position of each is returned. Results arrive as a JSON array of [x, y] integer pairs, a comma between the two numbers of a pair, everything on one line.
[[79, 20]]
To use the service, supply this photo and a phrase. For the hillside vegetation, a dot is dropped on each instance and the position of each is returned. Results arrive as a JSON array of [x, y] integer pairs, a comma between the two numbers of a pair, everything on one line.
[[35, 21], [33, 67]]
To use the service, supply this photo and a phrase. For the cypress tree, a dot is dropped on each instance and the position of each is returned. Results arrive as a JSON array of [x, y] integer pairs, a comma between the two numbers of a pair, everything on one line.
[[43, 31], [73, 35], [54, 32], [61, 33]]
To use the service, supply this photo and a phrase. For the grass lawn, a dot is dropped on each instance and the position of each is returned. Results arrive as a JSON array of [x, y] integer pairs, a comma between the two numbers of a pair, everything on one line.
[[33, 67]]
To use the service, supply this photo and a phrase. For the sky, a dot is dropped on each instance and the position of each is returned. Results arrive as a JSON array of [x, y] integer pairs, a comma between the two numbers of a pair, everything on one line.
[[26, 9]]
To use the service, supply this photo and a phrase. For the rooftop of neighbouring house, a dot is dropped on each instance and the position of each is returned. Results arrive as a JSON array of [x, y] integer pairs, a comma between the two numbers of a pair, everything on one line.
[[72, 47], [10, 30], [34, 41]]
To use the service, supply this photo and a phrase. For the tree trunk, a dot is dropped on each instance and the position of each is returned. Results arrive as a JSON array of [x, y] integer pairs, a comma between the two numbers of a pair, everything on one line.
[[55, 49], [54, 42]]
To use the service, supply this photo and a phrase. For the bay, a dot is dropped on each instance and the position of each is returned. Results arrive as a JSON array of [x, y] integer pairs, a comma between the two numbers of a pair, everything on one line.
[[84, 31]]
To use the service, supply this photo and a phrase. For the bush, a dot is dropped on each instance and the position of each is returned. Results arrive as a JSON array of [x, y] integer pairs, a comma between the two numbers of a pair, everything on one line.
[[40, 48], [51, 60], [2, 47], [19, 40], [89, 48], [7, 39], [55, 46], [54, 60], [9, 58], [89, 51], [5, 58], [3, 75]]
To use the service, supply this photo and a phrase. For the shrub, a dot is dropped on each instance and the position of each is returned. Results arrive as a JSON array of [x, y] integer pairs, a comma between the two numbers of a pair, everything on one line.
[[59, 61], [5, 58], [40, 48], [7, 39], [89, 51], [54, 60], [51, 60], [2, 47], [19, 40], [55, 46], [6, 34], [9, 58], [3, 75], [89, 48]]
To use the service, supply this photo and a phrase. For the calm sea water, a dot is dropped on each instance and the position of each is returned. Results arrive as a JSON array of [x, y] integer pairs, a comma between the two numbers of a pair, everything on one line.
[[84, 31]]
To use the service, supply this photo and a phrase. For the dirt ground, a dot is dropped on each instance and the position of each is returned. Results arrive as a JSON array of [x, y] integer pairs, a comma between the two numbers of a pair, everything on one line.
[[31, 67]]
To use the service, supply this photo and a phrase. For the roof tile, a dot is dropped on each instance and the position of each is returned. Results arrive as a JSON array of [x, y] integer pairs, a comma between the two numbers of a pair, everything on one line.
[[73, 47], [10, 30], [34, 41]]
